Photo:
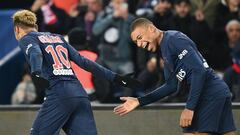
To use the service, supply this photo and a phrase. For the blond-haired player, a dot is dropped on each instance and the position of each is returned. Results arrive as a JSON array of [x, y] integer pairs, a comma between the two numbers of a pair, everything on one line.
[[67, 105]]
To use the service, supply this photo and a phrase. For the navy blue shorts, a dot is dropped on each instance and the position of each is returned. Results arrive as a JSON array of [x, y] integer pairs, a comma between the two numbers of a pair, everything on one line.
[[213, 116], [74, 115]]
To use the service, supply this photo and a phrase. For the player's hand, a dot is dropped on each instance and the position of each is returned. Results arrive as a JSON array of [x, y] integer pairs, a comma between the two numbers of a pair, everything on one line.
[[44, 83], [129, 105], [127, 81], [186, 118]]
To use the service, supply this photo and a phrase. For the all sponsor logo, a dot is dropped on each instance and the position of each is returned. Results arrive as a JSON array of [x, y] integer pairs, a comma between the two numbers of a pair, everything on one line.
[[181, 75], [182, 54], [62, 72]]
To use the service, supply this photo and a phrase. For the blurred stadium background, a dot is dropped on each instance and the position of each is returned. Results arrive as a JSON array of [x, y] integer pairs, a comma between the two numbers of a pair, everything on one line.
[[87, 24]]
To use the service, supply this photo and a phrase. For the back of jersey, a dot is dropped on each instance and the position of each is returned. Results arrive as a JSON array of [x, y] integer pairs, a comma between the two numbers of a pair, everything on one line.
[[56, 65]]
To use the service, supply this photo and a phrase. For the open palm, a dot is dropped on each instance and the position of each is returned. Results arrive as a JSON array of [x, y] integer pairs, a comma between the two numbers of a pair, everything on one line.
[[129, 105]]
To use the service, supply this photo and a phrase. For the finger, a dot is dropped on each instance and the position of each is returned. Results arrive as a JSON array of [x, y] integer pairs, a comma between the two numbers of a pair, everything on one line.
[[186, 123], [118, 107], [122, 112], [181, 122], [123, 98], [189, 122]]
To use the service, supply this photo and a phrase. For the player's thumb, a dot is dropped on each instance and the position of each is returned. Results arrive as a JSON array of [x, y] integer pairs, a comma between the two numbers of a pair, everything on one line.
[[123, 98]]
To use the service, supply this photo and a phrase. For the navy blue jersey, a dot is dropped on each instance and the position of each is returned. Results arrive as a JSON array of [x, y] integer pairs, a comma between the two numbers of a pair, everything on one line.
[[50, 55], [182, 61]]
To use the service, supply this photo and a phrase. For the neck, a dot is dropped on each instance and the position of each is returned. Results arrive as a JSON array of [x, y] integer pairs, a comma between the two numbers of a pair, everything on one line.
[[25, 32], [30, 30], [160, 36]]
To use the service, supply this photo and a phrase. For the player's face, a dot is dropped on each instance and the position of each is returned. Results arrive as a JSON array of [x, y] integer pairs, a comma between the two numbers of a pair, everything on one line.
[[145, 37]]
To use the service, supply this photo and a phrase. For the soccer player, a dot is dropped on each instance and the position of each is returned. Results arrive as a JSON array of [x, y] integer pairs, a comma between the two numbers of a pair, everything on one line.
[[208, 107], [66, 105]]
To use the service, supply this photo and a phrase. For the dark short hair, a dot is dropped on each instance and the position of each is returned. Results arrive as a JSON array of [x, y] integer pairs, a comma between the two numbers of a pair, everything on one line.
[[177, 2], [139, 22], [170, 1]]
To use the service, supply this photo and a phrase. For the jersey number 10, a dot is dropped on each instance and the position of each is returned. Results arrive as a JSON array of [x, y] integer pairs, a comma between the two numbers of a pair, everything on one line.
[[58, 58]]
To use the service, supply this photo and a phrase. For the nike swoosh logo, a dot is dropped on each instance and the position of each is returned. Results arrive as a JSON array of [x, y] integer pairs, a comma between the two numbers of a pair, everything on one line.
[[124, 82]]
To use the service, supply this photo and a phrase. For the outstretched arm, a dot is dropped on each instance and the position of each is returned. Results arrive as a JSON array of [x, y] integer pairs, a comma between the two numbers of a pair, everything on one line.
[[131, 103], [90, 66], [100, 71]]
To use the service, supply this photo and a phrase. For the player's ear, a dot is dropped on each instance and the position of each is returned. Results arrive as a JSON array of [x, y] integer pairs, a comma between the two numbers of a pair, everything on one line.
[[16, 29], [16, 32], [151, 28], [36, 27]]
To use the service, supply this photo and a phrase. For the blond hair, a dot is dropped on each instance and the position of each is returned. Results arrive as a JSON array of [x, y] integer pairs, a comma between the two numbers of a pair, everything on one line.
[[24, 19]]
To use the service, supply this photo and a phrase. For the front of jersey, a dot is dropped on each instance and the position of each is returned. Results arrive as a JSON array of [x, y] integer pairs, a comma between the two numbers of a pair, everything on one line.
[[181, 56], [50, 55], [183, 62]]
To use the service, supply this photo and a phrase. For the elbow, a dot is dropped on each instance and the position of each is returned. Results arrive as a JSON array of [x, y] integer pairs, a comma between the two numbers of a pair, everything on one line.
[[36, 60], [172, 88], [36, 57]]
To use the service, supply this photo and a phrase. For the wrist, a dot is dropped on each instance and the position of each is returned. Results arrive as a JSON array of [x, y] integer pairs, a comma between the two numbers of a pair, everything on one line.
[[188, 107], [137, 102], [140, 101], [36, 73]]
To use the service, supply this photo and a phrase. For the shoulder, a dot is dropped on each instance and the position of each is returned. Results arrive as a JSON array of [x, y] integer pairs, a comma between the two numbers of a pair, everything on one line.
[[173, 33], [167, 37], [179, 42], [176, 37], [27, 39], [31, 36]]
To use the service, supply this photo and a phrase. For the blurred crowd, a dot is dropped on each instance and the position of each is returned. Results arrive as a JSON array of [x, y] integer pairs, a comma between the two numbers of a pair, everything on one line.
[[99, 30]]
